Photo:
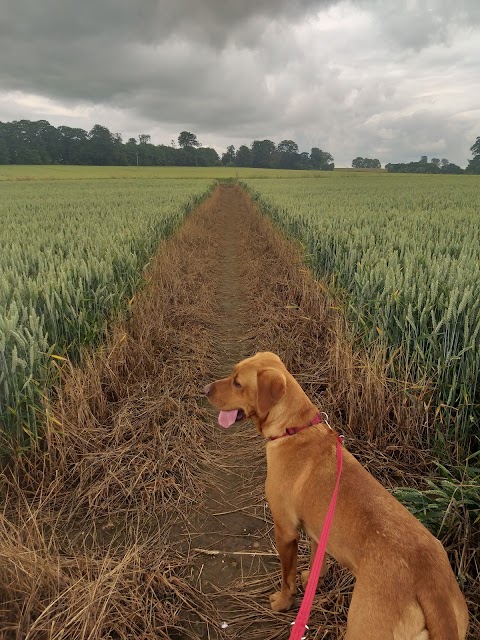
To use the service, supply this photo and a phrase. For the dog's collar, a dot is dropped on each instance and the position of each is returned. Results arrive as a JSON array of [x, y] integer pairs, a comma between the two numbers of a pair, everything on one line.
[[320, 417]]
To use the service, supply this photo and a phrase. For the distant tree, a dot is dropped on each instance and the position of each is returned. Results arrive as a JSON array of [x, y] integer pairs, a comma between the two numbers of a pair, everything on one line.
[[263, 153], [452, 168], [31, 142], [427, 167], [147, 156], [474, 163], [243, 157], [188, 140], [321, 160], [304, 161], [119, 152], [366, 163], [101, 146], [4, 154], [131, 151], [424, 159], [287, 146], [435, 161], [444, 162], [144, 138], [207, 157], [287, 154], [473, 166], [165, 155], [46, 139], [74, 143], [228, 158], [422, 167], [475, 148], [186, 157], [316, 157]]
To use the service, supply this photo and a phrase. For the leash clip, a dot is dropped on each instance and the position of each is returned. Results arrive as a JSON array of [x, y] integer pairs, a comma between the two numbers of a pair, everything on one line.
[[325, 419]]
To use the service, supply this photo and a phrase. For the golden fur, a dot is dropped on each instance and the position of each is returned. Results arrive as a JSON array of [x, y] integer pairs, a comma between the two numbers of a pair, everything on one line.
[[405, 588]]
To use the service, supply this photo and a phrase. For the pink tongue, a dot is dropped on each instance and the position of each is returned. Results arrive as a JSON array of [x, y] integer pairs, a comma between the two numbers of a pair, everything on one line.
[[227, 418]]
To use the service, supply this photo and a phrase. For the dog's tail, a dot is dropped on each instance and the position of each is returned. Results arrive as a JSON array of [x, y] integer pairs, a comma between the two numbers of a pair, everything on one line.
[[443, 619]]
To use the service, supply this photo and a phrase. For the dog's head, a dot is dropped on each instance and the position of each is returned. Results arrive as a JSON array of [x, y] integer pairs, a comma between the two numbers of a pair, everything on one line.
[[255, 386]]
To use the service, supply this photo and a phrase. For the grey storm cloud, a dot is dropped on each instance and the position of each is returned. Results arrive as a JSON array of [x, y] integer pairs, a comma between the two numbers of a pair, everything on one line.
[[102, 49], [363, 76], [147, 21]]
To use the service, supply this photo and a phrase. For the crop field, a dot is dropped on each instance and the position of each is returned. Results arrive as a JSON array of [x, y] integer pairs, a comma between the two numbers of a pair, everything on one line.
[[68, 172], [407, 253], [125, 290], [70, 254]]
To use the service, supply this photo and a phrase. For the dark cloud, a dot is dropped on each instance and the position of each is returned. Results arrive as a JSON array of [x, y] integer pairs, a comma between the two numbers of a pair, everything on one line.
[[358, 77], [147, 21], [97, 49]]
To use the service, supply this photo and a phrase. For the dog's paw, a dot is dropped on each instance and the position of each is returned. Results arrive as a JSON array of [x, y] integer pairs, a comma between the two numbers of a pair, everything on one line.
[[280, 601], [304, 576]]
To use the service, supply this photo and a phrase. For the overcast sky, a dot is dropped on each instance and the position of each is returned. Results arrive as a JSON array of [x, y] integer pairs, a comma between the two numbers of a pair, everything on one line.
[[386, 79]]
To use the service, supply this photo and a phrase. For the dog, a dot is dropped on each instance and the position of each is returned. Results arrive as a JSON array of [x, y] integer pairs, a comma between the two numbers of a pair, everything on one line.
[[405, 588]]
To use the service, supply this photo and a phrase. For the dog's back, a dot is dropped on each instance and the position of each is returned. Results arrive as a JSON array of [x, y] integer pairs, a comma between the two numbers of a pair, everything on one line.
[[404, 583]]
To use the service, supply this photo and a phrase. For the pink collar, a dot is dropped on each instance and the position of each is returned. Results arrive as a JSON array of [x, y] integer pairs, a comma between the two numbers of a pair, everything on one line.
[[320, 417]]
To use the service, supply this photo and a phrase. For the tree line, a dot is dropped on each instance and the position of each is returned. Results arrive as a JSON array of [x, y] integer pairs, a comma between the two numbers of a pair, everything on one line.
[[39, 142], [439, 166], [285, 155], [366, 163], [424, 166]]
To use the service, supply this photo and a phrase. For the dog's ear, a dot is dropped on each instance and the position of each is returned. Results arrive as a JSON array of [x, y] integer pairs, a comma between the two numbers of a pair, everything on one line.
[[271, 387]]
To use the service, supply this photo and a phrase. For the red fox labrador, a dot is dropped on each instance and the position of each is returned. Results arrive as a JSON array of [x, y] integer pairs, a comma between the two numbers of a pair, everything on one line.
[[405, 588]]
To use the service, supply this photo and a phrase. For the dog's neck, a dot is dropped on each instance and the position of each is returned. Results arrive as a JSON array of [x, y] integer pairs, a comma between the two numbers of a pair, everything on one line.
[[283, 416]]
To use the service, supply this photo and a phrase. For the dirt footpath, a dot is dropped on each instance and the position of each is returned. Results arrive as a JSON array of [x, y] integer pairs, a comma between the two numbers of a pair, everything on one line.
[[259, 287]]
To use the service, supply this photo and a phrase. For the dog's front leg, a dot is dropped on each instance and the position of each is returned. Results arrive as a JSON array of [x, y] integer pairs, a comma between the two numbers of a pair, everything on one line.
[[287, 550]]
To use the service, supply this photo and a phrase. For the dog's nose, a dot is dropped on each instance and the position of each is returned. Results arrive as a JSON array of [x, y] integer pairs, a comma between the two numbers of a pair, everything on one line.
[[207, 389]]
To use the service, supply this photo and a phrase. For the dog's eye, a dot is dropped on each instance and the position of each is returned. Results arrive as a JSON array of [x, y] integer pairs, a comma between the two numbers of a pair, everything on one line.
[[236, 383]]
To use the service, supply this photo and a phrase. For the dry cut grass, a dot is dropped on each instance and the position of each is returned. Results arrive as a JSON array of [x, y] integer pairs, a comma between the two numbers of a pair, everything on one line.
[[87, 549]]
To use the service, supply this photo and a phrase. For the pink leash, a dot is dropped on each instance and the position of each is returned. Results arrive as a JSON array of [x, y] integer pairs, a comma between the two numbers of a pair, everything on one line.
[[303, 614]]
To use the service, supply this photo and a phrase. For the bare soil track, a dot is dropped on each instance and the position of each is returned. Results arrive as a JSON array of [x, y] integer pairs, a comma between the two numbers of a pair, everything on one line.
[[139, 517], [259, 284]]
